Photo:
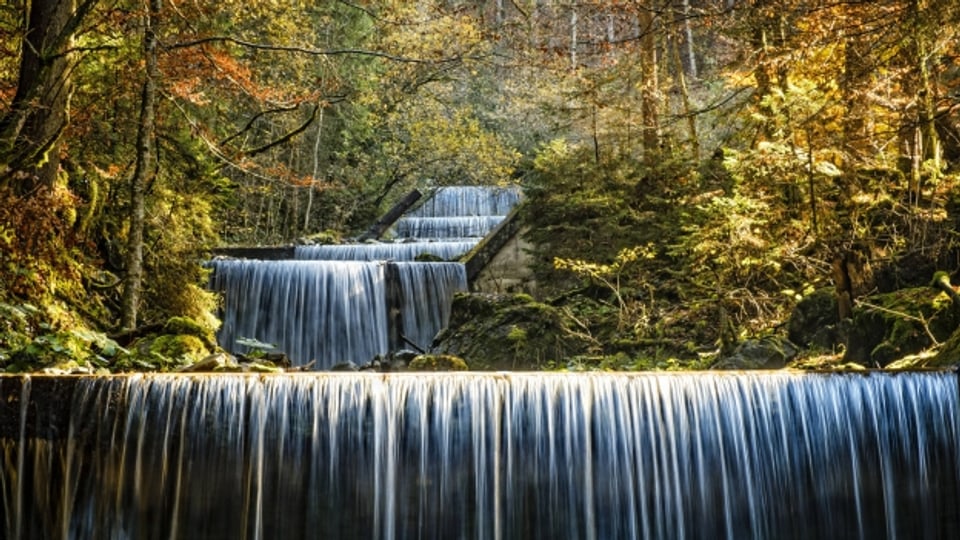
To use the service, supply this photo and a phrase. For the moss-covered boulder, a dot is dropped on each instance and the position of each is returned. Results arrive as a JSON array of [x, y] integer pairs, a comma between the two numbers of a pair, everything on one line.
[[182, 348], [768, 352], [437, 362], [188, 327], [180, 343], [887, 327], [508, 332]]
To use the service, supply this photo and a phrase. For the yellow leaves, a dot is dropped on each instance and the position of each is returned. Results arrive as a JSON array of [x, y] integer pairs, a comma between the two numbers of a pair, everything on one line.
[[433, 37], [603, 272]]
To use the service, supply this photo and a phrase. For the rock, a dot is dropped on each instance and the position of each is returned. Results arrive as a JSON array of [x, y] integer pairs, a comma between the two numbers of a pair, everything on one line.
[[815, 321], [181, 348], [508, 332], [213, 362], [769, 352], [438, 362], [345, 366]]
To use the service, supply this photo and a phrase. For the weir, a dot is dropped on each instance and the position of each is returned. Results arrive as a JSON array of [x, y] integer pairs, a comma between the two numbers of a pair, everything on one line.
[[481, 456], [341, 303]]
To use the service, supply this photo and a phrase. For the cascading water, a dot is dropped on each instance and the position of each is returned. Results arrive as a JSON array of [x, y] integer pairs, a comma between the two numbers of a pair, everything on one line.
[[397, 251], [326, 310], [321, 311], [469, 201], [427, 290], [491, 456]]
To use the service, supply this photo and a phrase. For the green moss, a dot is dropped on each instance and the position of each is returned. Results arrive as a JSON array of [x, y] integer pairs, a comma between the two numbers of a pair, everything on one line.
[[509, 332], [67, 351], [190, 327], [180, 348], [890, 326], [437, 362]]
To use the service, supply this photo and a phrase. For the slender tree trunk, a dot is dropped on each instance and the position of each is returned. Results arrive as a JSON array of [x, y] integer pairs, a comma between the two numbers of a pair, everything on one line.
[[855, 71], [687, 109], [144, 168], [919, 133], [316, 171], [649, 105], [573, 36], [690, 63]]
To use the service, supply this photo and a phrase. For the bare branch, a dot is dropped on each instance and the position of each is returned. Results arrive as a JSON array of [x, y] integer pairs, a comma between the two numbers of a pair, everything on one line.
[[256, 117], [288, 136], [314, 52]]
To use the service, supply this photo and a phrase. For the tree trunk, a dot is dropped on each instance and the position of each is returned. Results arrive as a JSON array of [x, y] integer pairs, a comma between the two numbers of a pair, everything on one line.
[[688, 111], [31, 128], [690, 57], [144, 168], [920, 135], [649, 106], [573, 36]]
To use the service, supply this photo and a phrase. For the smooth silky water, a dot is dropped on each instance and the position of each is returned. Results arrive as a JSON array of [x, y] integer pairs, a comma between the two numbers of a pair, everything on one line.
[[481, 456], [337, 304]]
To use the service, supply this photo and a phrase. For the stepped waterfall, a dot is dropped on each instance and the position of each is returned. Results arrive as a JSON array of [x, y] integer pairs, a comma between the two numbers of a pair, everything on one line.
[[333, 303], [482, 456]]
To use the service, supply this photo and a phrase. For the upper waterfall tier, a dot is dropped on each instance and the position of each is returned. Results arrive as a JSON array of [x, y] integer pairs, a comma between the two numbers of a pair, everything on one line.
[[453, 201]]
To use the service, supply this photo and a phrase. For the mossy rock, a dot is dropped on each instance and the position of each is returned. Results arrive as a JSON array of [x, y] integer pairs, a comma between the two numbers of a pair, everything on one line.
[[890, 326], [814, 321], [768, 352], [189, 327], [508, 332], [323, 237], [182, 348], [437, 362], [164, 352]]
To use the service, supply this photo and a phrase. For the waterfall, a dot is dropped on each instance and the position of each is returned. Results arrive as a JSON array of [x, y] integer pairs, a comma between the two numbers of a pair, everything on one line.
[[337, 303], [469, 201], [482, 456], [427, 292], [321, 311], [397, 251]]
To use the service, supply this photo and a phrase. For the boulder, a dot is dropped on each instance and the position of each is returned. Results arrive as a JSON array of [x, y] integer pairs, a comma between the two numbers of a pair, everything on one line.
[[768, 352], [508, 332], [815, 321]]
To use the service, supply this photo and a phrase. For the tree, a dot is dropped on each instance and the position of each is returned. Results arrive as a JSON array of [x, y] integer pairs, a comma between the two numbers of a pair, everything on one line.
[[31, 128], [142, 172]]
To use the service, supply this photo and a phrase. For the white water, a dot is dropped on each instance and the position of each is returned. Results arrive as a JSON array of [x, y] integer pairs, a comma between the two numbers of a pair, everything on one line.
[[328, 308], [397, 251], [435, 456], [321, 311], [427, 292], [469, 201]]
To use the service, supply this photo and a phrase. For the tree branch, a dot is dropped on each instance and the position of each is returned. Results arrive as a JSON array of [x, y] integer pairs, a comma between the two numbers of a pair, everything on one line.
[[256, 117], [305, 50], [287, 137]]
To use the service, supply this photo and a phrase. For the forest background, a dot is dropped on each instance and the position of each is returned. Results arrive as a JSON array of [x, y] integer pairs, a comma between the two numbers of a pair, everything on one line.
[[698, 167]]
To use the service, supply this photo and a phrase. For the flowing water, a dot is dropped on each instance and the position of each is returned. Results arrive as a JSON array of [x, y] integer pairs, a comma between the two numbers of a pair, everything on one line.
[[352, 302], [482, 456], [380, 251]]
